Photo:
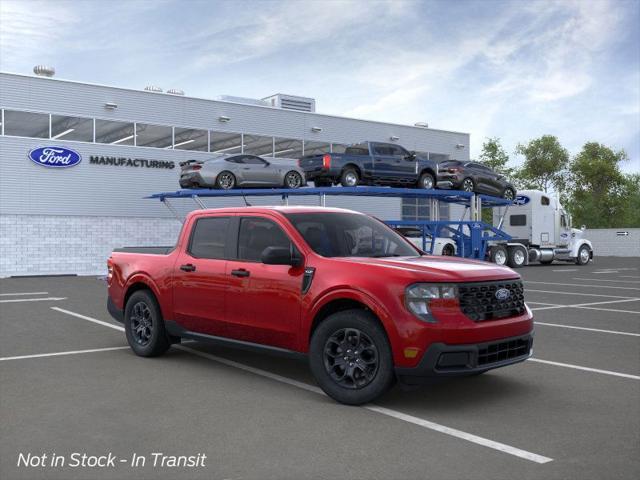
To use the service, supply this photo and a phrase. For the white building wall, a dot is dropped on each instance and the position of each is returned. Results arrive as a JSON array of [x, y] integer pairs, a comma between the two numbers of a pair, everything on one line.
[[610, 242]]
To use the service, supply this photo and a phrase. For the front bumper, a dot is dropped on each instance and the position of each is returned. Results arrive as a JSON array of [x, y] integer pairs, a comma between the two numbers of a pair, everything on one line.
[[442, 360]]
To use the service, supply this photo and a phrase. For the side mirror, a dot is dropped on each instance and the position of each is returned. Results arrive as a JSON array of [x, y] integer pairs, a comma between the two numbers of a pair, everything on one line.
[[583, 227], [281, 256], [411, 156]]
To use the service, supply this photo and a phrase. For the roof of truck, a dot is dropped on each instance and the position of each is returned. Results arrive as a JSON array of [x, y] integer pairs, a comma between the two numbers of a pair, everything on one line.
[[284, 209]]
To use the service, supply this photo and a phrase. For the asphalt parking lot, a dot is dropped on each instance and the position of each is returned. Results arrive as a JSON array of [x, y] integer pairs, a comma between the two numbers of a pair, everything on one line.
[[70, 384]]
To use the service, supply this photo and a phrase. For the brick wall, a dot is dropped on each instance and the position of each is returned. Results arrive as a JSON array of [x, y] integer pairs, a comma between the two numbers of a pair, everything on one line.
[[46, 245]]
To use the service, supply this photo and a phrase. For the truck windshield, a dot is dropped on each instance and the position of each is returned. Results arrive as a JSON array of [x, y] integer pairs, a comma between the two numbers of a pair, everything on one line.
[[350, 235]]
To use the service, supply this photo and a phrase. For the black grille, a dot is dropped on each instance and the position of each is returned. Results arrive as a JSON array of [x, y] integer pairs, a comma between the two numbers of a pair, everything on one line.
[[499, 351], [479, 302]]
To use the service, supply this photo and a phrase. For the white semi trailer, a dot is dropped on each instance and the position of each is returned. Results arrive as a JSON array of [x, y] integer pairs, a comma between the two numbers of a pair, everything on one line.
[[541, 232]]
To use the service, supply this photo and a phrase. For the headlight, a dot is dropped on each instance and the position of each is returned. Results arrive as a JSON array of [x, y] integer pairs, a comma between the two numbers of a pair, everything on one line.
[[419, 297]]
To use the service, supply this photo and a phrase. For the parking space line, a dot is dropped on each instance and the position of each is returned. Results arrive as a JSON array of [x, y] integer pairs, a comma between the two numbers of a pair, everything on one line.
[[610, 310], [47, 299], [629, 276], [22, 293], [381, 410], [586, 369], [583, 285], [582, 294], [566, 270], [89, 319], [615, 332], [58, 354], [614, 281]]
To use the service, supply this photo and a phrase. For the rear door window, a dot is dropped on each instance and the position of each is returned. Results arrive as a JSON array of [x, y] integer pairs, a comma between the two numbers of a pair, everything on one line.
[[208, 239]]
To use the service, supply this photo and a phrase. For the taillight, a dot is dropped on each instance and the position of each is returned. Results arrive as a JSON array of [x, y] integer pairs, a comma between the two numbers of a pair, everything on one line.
[[454, 170], [326, 161], [109, 271]]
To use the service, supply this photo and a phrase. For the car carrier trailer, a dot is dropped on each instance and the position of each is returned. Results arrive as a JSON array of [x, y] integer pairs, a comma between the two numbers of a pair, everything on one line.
[[471, 238]]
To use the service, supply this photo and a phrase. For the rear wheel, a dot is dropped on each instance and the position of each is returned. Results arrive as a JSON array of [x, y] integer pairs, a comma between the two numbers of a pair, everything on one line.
[[498, 255], [144, 326], [350, 357], [293, 179], [426, 181], [226, 180], [517, 257], [468, 185], [349, 178]]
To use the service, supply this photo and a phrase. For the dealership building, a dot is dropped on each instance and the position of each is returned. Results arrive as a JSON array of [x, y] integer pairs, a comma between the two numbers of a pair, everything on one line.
[[129, 144]]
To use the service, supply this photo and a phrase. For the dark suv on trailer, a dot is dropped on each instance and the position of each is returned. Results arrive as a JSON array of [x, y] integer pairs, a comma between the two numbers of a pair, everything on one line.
[[474, 177]]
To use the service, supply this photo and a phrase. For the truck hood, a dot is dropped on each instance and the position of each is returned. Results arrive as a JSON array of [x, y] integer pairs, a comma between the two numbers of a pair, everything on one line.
[[430, 268]]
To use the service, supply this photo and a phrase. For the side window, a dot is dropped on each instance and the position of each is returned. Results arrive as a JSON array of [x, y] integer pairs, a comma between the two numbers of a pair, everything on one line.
[[518, 220], [381, 150], [238, 159], [544, 200], [398, 151], [253, 160], [256, 234], [563, 221], [209, 237]]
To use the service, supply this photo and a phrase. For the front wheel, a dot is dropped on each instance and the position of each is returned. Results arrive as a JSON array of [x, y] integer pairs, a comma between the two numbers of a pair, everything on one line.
[[293, 179], [350, 357], [584, 255], [468, 185], [426, 181], [509, 194], [144, 326]]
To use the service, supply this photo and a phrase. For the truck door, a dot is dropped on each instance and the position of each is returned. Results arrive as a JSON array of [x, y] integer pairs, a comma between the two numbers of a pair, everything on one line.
[[258, 171], [199, 277], [391, 164], [564, 232], [263, 301]]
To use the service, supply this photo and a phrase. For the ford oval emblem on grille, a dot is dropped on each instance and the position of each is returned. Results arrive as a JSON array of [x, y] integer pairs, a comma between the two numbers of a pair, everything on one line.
[[503, 294]]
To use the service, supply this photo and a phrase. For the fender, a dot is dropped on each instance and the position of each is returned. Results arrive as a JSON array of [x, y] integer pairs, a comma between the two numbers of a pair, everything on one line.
[[143, 277], [576, 247], [340, 293]]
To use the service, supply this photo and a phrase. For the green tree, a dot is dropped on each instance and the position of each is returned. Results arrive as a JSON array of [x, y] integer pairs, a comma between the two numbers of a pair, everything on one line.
[[494, 156], [544, 165], [599, 194]]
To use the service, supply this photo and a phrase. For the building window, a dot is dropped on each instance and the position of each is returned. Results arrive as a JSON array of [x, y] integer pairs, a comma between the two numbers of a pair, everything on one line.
[[230, 143], [156, 136], [115, 133], [287, 148], [258, 145], [419, 209], [191, 139], [316, 148], [26, 124], [71, 128]]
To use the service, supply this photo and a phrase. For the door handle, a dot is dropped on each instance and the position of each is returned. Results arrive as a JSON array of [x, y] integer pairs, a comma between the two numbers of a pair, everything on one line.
[[189, 267], [240, 273]]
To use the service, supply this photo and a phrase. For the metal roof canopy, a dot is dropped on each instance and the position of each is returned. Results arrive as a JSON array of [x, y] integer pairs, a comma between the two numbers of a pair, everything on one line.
[[449, 196]]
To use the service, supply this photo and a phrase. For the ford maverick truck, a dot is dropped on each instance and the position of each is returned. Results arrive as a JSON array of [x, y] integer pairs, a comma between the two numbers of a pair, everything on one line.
[[371, 163], [359, 300]]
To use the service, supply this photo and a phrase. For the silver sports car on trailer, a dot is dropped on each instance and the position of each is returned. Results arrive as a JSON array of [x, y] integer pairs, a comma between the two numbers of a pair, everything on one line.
[[231, 171]]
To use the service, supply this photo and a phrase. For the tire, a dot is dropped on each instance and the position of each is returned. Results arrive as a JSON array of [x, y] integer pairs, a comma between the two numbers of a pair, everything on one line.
[[448, 250], [499, 255], [426, 181], [293, 180], [468, 185], [517, 257], [584, 255], [144, 325], [349, 178], [509, 194], [331, 340], [225, 180]]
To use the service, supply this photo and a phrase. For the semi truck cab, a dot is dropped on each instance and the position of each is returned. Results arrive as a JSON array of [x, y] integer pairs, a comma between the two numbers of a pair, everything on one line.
[[541, 230]]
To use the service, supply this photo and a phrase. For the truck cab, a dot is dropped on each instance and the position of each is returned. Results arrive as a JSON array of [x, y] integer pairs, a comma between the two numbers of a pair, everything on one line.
[[538, 223]]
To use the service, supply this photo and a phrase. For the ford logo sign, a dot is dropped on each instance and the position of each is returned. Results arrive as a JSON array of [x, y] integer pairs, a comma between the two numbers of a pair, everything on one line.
[[503, 294], [55, 157], [521, 200]]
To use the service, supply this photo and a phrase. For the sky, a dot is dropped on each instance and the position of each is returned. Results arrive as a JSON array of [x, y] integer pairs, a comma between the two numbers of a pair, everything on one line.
[[510, 69]]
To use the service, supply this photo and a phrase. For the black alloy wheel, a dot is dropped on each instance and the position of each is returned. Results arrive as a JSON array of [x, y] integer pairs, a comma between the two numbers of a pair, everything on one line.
[[351, 358], [508, 194], [144, 325], [141, 323], [226, 180], [293, 180]]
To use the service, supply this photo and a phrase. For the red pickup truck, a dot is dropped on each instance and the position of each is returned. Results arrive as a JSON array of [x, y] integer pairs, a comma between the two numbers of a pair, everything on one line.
[[362, 303]]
